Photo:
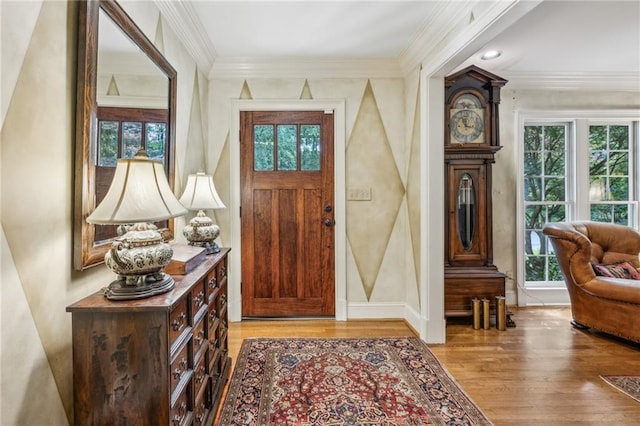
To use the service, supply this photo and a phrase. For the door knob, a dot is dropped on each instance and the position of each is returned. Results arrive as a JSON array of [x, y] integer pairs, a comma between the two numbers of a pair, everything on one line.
[[328, 222]]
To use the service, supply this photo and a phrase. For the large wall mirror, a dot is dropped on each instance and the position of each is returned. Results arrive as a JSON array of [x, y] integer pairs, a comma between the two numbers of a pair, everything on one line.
[[126, 100]]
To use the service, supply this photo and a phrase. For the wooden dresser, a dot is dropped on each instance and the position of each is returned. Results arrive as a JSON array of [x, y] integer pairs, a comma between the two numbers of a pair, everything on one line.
[[161, 360]]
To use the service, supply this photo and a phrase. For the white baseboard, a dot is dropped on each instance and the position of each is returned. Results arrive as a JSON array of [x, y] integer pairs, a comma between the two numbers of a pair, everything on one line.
[[376, 310], [543, 297]]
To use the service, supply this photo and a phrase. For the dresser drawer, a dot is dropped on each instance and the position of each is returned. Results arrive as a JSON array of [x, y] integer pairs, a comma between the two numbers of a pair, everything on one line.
[[180, 370], [222, 271], [212, 283], [179, 325], [180, 413], [200, 375], [212, 323], [201, 409], [198, 300], [221, 301], [199, 339]]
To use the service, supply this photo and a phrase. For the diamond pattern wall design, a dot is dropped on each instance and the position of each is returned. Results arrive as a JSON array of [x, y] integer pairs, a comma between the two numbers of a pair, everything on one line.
[[370, 165]]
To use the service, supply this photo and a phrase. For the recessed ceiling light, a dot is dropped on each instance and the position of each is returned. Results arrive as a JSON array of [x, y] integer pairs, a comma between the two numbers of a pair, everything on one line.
[[490, 54]]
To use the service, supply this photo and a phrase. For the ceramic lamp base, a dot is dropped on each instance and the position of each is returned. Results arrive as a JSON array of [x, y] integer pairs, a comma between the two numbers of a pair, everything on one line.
[[201, 232], [147, 286]]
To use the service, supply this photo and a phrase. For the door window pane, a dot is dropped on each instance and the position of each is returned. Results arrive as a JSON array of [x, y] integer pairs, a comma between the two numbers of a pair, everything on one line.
[[310, 147], [108, 143], [156, 141], [131, 138], [263, 144], [287, 147]]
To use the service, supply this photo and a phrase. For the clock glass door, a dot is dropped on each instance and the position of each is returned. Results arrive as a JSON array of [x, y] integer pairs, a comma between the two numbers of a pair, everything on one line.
[[466, 211], [467, 215]]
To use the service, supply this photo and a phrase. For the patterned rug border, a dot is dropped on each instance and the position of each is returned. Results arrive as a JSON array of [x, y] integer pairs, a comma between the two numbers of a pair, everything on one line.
[[621, 383], [473, 415]]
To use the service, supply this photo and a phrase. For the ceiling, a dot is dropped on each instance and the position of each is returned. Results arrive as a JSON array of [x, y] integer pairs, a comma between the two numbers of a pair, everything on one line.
[[553, 38]]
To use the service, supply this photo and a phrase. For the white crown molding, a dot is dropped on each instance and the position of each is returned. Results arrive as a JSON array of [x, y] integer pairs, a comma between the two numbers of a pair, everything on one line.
[[183, 19], [447, 30], [459, 28], [445, 17], [612, 81], [305, 68]]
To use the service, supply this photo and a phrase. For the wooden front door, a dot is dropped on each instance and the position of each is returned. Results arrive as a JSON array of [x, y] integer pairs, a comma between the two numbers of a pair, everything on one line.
[[287, 213]]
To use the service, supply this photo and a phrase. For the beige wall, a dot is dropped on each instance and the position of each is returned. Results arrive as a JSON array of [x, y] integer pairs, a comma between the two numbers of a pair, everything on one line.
[[380, 137], [38, 280]]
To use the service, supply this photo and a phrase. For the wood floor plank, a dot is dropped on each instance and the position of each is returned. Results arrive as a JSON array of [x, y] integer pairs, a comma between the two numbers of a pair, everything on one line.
[[542, 372]]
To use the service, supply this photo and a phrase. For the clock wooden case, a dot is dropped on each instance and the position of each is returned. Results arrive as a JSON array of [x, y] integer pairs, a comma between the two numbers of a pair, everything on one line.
[[472, 97]]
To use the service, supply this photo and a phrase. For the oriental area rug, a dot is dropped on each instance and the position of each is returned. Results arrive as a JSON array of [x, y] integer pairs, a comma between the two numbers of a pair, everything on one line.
[[626, 384], [339, 381]]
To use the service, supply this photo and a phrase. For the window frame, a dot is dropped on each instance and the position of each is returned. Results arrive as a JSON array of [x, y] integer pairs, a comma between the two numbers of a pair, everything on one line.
[[577, 178]]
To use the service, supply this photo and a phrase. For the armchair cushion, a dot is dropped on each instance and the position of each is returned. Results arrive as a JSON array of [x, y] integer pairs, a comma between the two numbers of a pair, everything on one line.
[[617, 270]]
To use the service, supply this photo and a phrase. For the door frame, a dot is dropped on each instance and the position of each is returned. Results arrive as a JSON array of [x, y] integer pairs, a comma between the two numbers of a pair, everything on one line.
[[337, 106]]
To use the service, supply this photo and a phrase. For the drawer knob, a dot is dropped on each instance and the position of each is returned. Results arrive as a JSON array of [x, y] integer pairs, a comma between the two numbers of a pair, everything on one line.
[[178, 323], [182, 409], [199, 338], [199, 298]]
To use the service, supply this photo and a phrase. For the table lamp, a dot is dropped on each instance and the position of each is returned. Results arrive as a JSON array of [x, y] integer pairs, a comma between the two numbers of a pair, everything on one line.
[[139, 194], [200, 194]]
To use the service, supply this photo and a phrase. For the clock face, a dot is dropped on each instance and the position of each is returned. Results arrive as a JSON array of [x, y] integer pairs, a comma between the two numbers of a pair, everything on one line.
[[467, 120]]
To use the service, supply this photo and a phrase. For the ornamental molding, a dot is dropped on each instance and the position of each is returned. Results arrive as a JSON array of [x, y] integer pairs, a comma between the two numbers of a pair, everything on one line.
[[184, 21]]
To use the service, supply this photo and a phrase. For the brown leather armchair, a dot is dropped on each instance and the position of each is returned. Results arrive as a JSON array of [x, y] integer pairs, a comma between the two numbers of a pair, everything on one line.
[[611, 305]]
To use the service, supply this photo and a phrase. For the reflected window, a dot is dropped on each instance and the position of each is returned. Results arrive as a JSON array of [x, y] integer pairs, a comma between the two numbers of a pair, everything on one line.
[[121, 133], [108, 132]]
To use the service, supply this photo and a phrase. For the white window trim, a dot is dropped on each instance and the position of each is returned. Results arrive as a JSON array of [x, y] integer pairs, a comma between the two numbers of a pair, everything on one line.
[[580, 121]]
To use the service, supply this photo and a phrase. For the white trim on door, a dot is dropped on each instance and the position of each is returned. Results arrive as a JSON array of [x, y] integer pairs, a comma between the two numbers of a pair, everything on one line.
[[339, 126]]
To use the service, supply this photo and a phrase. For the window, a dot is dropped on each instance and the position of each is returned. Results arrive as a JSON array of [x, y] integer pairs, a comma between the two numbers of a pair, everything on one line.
[[290, 147], [545, 195], [579, 169], [610, 173], [121, 133]]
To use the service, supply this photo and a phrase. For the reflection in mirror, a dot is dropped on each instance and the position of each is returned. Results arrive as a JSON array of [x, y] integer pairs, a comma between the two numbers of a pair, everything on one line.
[[126, 101]]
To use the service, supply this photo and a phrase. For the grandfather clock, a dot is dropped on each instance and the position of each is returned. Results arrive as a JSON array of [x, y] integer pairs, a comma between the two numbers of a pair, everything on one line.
[[472, 96]]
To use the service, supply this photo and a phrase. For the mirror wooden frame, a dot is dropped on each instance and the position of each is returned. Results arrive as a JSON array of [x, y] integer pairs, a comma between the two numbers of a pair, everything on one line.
[[86, 252]]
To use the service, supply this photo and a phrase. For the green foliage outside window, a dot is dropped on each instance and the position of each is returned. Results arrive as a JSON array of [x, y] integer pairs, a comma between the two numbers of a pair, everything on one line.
[[544, 194], [131, 138], [108, 143], [263, 143], [310, 147], [287, 147], [297, 147], [609, 173], [155, 141]]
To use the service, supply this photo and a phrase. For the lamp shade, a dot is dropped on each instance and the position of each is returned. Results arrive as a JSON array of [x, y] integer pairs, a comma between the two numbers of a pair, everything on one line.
[[139, 192], [200, 193]]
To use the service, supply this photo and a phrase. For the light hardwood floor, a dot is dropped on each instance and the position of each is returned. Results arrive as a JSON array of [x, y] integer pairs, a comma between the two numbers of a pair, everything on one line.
[[542, 372]]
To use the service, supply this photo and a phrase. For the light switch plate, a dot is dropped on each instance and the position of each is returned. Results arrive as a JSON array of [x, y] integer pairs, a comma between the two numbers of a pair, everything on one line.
[[359, 194]]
